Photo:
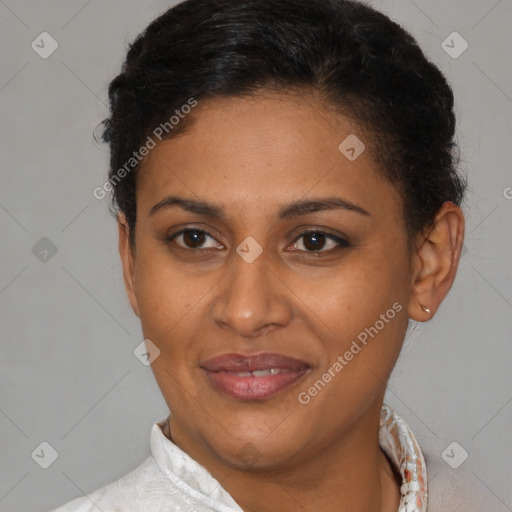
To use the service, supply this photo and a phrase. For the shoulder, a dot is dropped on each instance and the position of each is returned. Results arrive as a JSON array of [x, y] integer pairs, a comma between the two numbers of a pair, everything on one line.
[[127, 494], [457, 490]]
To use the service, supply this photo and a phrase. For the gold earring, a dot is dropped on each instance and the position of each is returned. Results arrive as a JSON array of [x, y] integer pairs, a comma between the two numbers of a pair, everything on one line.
[[427, 310]]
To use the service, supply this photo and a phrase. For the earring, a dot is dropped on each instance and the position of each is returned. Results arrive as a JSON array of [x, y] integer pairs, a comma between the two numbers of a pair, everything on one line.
[[427, 310]]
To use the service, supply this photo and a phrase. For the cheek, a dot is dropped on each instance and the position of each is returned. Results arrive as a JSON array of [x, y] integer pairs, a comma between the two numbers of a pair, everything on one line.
[[364, 308], [357, 291], [164, 295], [168, 300]]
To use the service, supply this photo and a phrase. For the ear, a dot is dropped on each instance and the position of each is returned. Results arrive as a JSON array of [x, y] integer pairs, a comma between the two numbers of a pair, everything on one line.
[[128, 261], [435, 263]]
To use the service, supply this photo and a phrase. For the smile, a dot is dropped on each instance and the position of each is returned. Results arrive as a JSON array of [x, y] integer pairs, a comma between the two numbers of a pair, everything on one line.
[[253, 377]]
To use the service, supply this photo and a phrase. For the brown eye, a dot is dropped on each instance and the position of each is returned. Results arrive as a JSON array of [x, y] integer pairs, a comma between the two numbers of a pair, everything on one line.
[[314, 241], [319, 242], [193, 239]]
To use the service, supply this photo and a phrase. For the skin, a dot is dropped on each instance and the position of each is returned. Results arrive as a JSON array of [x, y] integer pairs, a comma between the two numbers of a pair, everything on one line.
[[251, 157]]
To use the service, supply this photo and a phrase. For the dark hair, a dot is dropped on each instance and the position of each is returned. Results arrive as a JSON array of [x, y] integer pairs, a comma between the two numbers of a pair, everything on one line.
[[362, 63]]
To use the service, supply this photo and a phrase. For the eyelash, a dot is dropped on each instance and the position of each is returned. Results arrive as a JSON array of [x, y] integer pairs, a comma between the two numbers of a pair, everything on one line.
[[341, 242]]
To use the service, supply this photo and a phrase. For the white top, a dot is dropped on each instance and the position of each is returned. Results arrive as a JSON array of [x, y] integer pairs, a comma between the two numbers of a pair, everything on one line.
[[172, 481]]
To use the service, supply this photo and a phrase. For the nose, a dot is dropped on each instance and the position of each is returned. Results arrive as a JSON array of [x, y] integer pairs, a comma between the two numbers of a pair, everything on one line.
[[252, 299]]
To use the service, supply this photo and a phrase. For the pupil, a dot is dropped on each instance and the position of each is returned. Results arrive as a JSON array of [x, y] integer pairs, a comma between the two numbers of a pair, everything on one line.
[[195, 237], [318, 240]]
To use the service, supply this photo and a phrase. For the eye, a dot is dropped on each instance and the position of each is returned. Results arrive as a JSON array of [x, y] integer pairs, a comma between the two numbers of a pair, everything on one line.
[[192, 238], [317, 241]]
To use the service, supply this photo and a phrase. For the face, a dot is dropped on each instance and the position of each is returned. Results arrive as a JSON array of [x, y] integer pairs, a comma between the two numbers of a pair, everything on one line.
[[225, 281]]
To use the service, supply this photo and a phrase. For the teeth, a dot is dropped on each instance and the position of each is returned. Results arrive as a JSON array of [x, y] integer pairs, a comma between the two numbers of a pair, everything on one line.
[[261, 373]]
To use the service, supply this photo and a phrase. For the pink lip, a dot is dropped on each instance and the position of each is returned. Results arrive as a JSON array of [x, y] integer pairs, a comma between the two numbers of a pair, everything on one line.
[[222, 373]]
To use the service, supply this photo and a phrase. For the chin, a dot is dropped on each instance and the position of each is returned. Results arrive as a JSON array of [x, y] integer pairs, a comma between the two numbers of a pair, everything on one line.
[[260, 456]]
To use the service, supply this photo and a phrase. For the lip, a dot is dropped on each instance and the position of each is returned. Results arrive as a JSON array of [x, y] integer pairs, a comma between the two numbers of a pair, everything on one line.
[[223, 370]]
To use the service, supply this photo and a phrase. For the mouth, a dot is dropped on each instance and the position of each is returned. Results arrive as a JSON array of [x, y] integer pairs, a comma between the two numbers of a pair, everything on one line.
[[253, 377]]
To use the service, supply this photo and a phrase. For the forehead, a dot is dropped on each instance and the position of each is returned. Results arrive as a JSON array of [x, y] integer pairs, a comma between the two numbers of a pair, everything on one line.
[[265, 150]]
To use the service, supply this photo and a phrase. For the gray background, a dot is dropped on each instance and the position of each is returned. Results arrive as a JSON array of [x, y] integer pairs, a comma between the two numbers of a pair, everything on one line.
[[68, 373]]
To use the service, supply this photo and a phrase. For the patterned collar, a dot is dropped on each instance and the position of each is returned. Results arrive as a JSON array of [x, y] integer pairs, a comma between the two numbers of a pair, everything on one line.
[[399, 444]]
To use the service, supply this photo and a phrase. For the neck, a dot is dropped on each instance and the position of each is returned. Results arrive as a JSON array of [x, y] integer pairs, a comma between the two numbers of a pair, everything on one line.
[[351, 473]]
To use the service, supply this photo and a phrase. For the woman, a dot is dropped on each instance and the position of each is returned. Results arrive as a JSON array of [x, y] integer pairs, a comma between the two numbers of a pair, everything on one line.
[[287, 195]]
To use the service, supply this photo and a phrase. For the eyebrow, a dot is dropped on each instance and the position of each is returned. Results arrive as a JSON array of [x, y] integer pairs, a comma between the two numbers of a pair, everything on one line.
[[295, 209]]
